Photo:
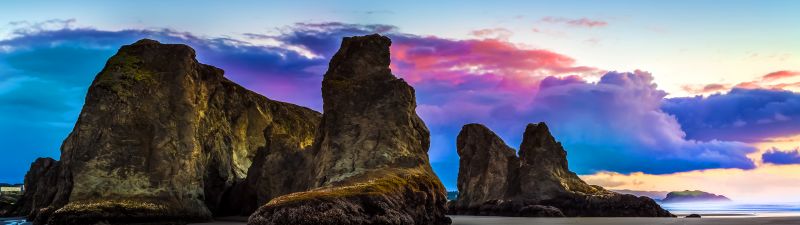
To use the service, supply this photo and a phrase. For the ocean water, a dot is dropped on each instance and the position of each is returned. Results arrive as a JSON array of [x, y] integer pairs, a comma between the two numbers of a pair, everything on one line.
[[728, 209], [13, 221]]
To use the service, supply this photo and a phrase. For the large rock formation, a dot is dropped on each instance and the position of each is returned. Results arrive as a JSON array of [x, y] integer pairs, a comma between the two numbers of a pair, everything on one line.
[[371, 164], [163, 138], [493, 181]]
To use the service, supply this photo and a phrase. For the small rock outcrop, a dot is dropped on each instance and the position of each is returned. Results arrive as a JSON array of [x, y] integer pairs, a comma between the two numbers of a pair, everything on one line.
[[163, 138], [46, 187], [492, 180], [693, 196], [370, 155]]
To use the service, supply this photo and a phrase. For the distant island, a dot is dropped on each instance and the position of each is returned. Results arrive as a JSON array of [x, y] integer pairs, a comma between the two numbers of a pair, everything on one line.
[[677, 196], [657, 195], [693, 196]]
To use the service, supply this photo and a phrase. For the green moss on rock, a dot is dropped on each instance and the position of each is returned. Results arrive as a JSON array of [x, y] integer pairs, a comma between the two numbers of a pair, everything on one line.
[[401, 196], [123, 211], [122, 72]]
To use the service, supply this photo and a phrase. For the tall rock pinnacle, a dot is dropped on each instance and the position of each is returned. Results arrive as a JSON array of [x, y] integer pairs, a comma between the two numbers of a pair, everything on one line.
[[371, 150]]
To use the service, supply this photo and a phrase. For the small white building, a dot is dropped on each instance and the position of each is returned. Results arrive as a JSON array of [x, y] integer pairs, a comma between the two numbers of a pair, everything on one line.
[[10, 189]]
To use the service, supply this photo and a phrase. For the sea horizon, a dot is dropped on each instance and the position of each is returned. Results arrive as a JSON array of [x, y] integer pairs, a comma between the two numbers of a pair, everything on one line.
[[734, 209]]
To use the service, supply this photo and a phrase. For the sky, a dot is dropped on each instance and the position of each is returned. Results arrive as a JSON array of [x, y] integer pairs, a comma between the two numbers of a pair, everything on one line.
[[664, 96]]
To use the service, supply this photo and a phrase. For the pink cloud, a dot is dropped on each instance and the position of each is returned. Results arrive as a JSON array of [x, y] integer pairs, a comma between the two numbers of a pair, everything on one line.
[[490, 61], [704, 89], [780, 75], [771, 81]]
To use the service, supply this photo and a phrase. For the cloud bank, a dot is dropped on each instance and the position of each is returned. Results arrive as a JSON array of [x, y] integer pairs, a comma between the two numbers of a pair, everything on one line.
[[746, 115], [775, 156]]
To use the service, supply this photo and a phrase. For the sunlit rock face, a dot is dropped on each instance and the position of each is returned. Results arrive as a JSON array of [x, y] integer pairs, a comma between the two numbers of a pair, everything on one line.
[[162, 137], [371, 164], [492, 180]]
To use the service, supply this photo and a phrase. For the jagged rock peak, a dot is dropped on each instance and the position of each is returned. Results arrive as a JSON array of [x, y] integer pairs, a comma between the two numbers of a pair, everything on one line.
[[539, 146], [146, 41], [361, 57], [537, 136]]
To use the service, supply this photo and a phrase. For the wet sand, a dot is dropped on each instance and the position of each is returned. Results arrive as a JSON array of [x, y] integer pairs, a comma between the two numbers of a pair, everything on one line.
[[481, 220]]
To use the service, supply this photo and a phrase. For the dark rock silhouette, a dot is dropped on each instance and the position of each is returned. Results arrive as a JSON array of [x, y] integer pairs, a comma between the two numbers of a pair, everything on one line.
[[493, 181], [693, 196], [370, 164]]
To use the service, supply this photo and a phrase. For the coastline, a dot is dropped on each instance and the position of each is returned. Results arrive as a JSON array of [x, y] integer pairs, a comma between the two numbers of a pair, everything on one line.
[[736, 220], [490, 220]]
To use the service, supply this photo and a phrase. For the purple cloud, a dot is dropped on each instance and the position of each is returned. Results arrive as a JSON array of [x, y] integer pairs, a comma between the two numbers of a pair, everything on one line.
[[620, 118], [775, 156], [747, 115]]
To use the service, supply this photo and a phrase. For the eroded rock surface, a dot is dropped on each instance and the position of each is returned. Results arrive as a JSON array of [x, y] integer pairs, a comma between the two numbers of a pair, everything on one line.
[[371, 164], [488, 166], [493, 181], [163, 138]]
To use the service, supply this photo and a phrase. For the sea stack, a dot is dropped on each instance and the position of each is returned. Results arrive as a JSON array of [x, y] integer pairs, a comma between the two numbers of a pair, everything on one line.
[[371, 161], [493, 181], [162, 138]]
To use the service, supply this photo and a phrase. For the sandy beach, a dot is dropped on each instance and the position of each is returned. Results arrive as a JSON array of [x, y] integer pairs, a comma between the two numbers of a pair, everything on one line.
[[481, 220], [477, 220]]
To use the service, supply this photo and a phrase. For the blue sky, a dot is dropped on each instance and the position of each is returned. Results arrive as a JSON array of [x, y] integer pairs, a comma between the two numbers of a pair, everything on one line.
[[657, 88]]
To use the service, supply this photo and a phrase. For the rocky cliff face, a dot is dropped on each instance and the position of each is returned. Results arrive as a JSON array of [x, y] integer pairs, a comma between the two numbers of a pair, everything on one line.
[[371, 164], [493, 181], [162, 137]]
